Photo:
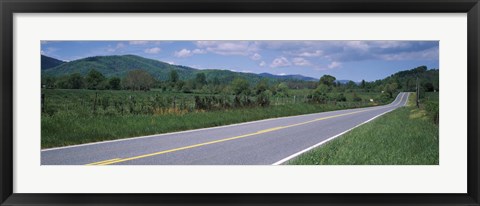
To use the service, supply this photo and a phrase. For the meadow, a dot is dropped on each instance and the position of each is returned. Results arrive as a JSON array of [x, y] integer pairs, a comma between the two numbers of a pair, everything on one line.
[[76, 116], [405, 136]]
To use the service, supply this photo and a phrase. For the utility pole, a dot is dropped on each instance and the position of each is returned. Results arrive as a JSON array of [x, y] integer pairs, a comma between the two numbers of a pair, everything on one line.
[[418, 94]]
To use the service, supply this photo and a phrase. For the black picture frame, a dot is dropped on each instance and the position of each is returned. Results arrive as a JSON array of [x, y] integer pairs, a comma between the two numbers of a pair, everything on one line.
[[10, 7]]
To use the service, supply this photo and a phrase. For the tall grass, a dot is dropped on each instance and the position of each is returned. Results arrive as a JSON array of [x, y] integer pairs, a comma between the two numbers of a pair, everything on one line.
[[406, 136], [69, 128], [83, 116]]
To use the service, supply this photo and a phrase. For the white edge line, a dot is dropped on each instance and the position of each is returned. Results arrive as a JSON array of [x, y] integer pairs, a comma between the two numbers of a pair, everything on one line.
[[327, 140], [201, 129]]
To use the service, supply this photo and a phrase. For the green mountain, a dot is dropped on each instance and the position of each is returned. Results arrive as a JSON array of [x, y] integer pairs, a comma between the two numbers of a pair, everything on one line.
[[49, 62], [428, 79], [119, 66]]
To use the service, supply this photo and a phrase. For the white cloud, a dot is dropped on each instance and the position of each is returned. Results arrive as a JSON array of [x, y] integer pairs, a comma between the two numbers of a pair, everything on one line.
[[360, 45], [228, 47], [334, 65], [138, 42], [187, 52], [391, 44], [280, 62], [428, 54], [183, 53], [282, 74], [116, 48], [154, 50], [315, 53], [49, 51], [256, 57], [263, 63], [199, 51], [301, 61]]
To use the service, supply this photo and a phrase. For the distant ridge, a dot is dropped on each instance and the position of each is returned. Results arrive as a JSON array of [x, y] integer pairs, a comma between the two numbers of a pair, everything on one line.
[[49, 62], [292, 76], [119, 66]]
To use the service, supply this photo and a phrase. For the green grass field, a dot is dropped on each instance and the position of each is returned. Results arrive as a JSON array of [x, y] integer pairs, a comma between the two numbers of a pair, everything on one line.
[[406, 136], [81, 116]]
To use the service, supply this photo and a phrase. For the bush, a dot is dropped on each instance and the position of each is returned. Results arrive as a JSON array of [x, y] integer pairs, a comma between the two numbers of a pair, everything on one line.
[[341, 98], [356, 98], [263, 99], [432, 109], [384, 98]]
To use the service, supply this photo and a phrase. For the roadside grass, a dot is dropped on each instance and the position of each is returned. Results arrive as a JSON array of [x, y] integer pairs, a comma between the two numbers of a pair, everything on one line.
[[69, 117], [405, 136], [66, 128]]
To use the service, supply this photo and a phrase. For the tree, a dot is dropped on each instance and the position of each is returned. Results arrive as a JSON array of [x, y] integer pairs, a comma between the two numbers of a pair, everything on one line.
[[327, 80], [50, 82], [138, 80], [261, 86], [240, 86], [391, 88], [322, 88], [200, 80], [188, 86], [215, 81], [263, 98], [351, 85], [428, 86], [75, 81], [174, 76], [340, 97], [282, 89], [420, 69], [114, 83], [319, 95], [94, 79], [363, 84], [356, 98]]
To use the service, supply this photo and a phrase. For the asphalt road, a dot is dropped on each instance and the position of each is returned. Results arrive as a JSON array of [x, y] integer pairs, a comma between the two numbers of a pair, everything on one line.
[[264, 142]]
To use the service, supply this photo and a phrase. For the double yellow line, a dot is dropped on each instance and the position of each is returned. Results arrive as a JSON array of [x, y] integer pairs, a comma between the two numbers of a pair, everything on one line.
[[118, 160]]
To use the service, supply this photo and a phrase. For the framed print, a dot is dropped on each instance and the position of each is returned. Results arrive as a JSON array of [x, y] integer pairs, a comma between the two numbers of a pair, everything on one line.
[[252, 103]]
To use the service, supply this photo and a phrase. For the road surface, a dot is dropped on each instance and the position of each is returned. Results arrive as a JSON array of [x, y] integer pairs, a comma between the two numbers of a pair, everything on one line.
[[264, 142]]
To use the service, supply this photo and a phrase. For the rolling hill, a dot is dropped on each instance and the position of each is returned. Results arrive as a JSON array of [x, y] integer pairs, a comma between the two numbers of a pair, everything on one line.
[[49, 62], [119, 66]]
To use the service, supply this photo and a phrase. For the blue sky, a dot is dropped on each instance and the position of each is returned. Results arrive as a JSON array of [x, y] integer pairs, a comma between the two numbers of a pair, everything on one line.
[[346, 60]]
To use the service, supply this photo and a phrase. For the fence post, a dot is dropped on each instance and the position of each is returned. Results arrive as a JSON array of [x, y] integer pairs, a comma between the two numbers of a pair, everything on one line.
[[43, 102], [174, 101], [95, 103]]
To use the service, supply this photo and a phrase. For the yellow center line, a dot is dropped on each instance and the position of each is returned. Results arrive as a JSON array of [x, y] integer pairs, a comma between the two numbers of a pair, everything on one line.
[[269, 130], [118, 160], [105, 161]]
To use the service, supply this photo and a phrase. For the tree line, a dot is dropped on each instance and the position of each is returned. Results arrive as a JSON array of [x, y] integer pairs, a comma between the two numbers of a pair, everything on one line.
[[327, 88]]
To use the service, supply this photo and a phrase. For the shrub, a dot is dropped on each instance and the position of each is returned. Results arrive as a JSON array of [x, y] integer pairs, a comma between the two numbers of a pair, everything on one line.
[[341, 98], [432, 109], [356, 98]]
